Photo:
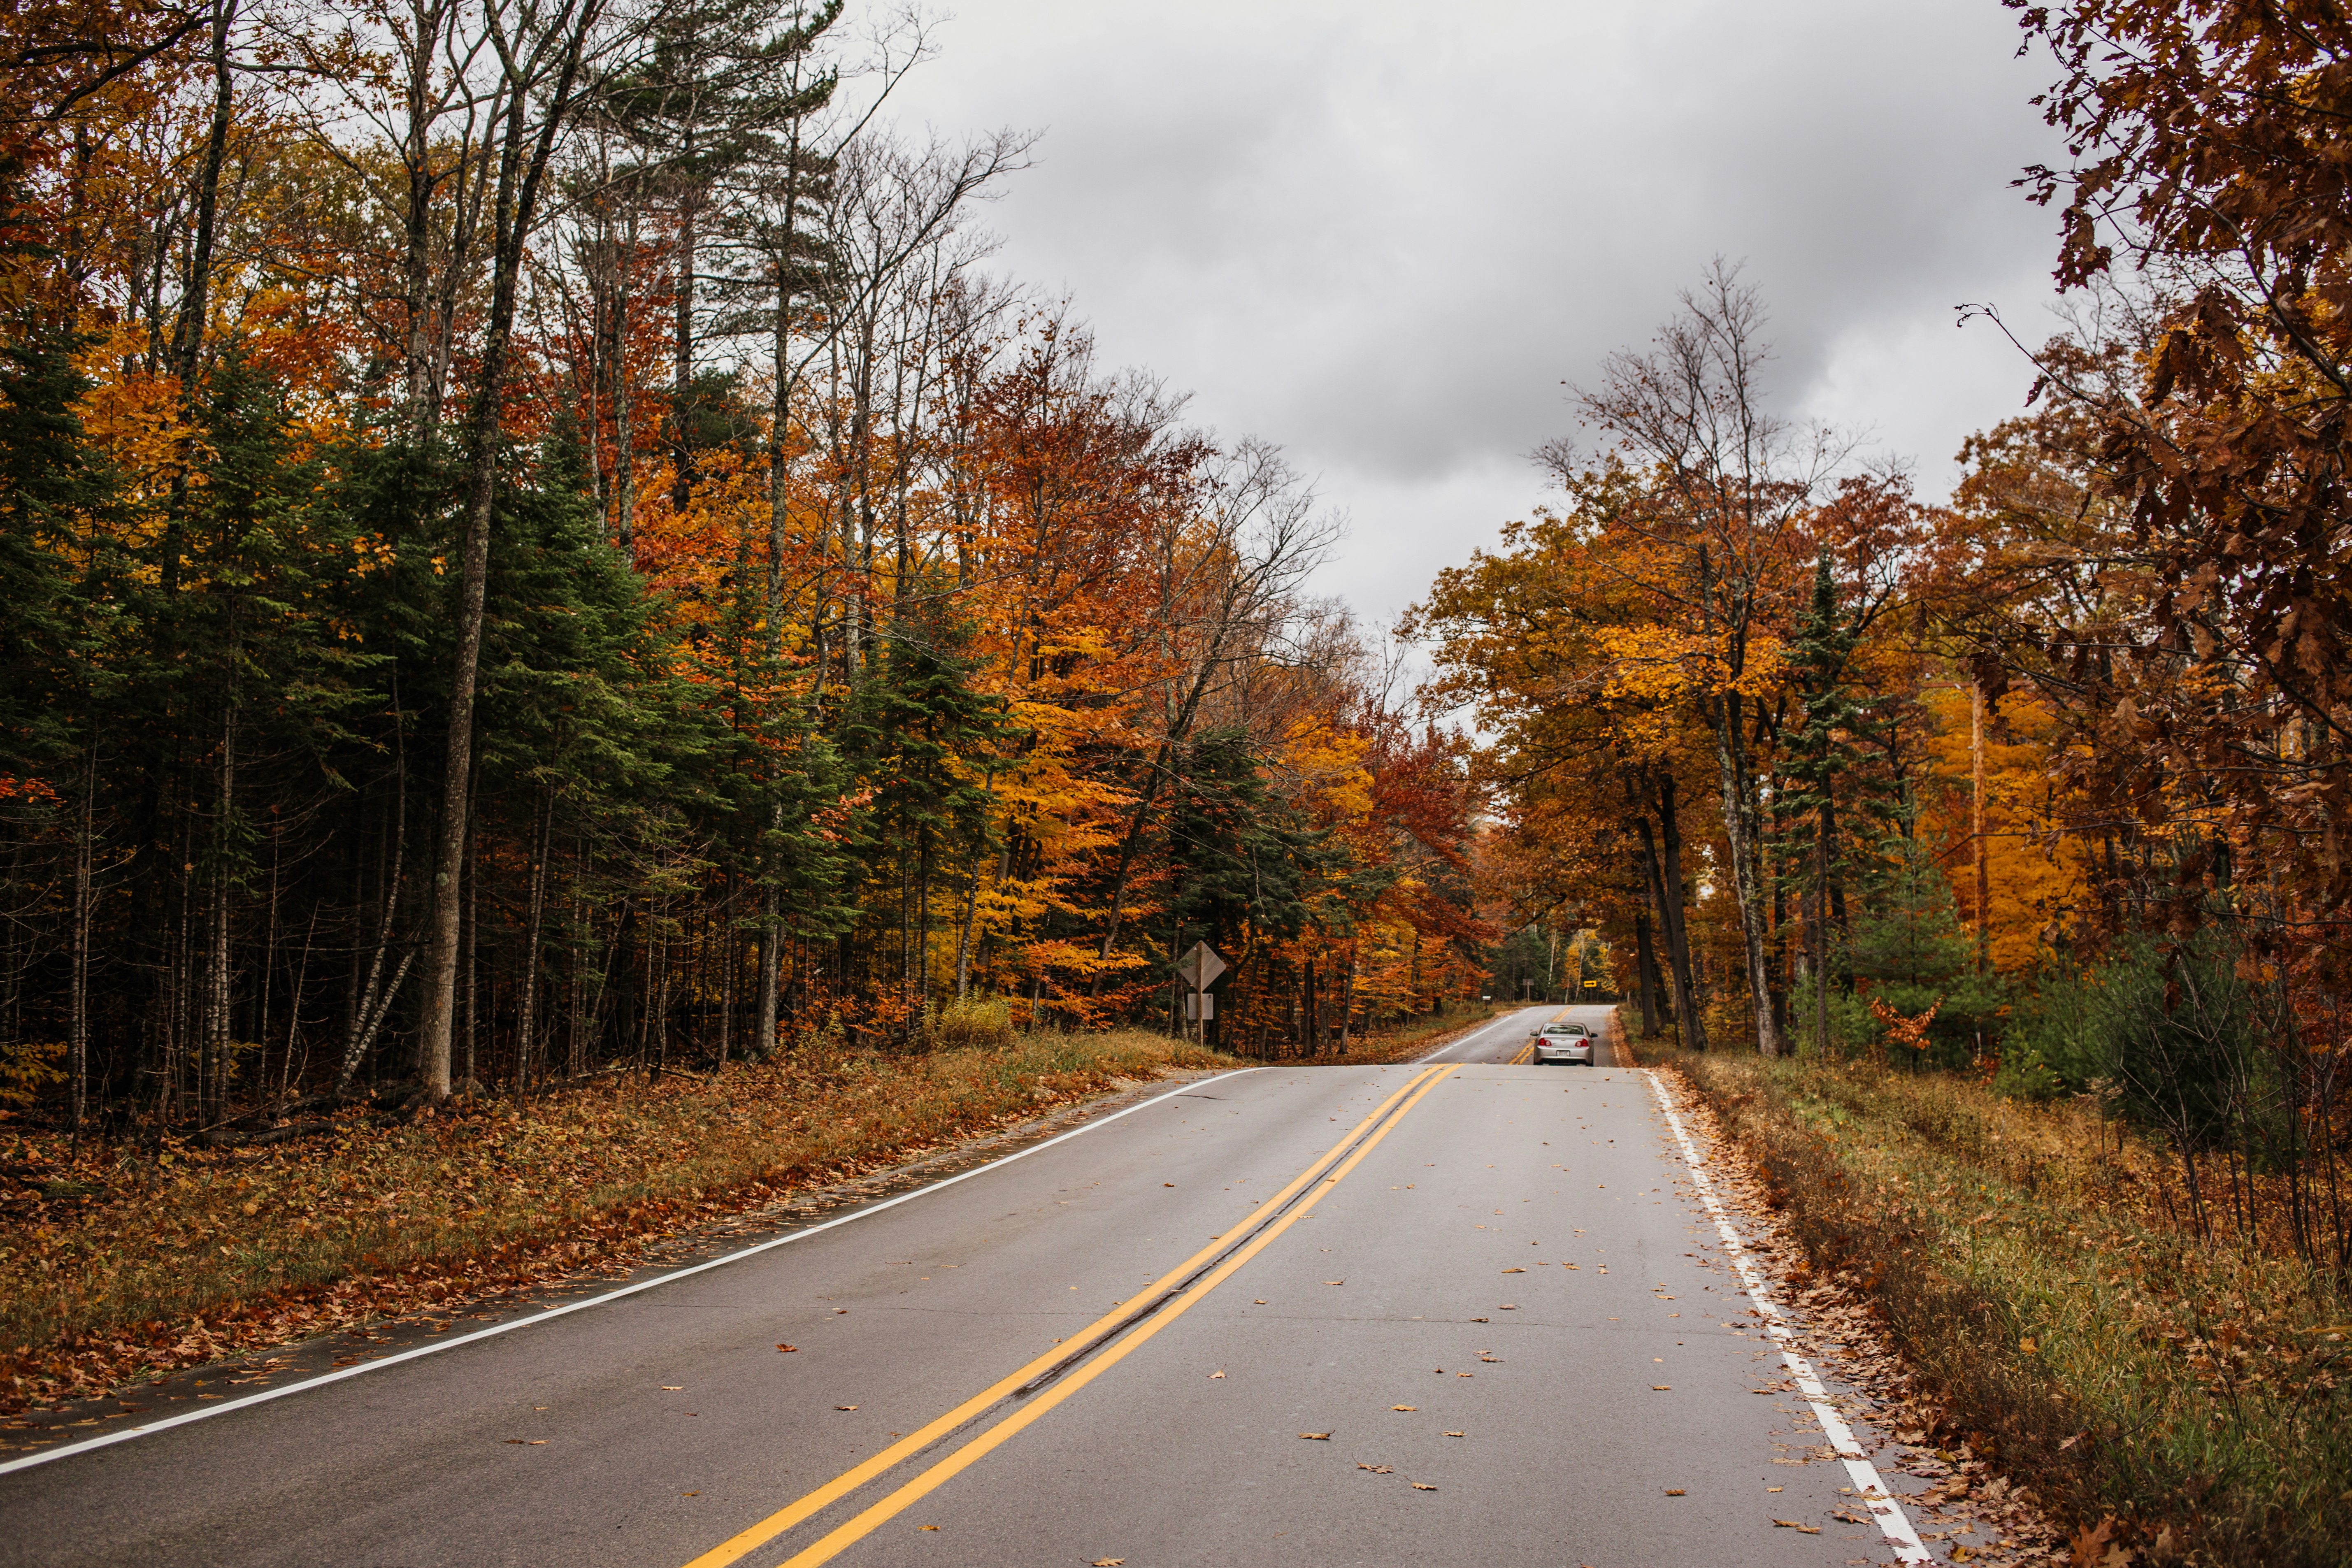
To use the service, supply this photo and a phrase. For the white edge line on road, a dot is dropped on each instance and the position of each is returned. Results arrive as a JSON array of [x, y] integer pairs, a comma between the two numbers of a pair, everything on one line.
[[27, 1461], [1892, 1521]]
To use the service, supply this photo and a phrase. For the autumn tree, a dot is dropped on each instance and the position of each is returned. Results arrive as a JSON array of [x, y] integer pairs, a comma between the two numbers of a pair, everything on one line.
[[1561, 648], [2205, 199], [1730, 481]]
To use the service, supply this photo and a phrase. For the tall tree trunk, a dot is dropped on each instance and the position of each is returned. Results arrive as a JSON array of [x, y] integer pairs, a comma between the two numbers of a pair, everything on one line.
[[1664, 862], [729, 955], [1348, 999], [923, 924], [771, 959], [681, 402], [1645, 956], [472, 939], [188, 336], [785, 371], [218, 979], [416, 273], [520, 168], [366, 1007], [625, 414], [528, 1010], [1741, 829], [77, 1002], [464, 229]]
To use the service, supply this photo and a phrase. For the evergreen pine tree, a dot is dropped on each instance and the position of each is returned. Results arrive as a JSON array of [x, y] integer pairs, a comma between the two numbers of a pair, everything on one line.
[[922, 735], [1243, 867], [1820, 795], [47, 487], [720, 79], [1909, 948]]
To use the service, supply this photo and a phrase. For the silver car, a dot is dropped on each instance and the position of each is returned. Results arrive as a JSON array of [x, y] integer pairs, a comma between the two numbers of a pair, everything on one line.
[[1570, 1043]]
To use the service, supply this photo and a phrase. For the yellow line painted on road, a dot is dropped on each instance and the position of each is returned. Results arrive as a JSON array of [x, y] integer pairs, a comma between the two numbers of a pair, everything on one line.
[[746, 1541], [848, 1535]]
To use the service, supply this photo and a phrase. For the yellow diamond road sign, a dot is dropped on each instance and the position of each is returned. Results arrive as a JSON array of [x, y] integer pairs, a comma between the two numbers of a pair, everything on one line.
[[1200, 966]]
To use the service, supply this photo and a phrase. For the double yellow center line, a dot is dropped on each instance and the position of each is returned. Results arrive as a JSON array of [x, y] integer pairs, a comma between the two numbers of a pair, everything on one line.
[[1070, 1367]]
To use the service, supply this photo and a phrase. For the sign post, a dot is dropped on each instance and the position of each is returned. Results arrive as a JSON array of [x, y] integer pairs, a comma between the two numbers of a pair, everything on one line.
[[1199, 967]]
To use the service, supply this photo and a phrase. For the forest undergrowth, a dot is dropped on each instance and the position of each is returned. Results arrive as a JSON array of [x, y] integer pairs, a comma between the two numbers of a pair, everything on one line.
[[123, 1259], [2189, 1395]]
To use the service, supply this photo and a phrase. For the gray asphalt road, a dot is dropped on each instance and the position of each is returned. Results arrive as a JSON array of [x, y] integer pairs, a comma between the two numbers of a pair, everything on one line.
[[1495, 1303], [1506, 1037]]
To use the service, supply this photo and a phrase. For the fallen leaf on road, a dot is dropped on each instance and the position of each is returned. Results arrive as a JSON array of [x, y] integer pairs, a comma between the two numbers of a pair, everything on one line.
[[1509, 1307], [1776, 1489], [1662, 1388], [1515, 1271], [538, 1443], [1316, 1437], [2091, 1545], [1675, 1491], [1108, 1561], [1259, 1302], [788, 1349], [1216, 1374], [1335, 1282], [1404, 1407], [673, 1388], [1379, 1469], [1477, 1319], [1457, 1433], [1466, 1374], [1792, 1524], [929, 1527], [844, 1407], [1166, 1183], [1423, 1486], [691, 1494]]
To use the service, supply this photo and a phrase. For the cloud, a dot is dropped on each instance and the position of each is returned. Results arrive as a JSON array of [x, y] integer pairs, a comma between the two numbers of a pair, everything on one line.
[[1384, 235]]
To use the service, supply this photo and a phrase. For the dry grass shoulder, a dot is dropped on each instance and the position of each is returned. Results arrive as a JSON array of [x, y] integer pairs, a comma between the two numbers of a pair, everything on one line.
[[121, 1260], [2191, 1396]]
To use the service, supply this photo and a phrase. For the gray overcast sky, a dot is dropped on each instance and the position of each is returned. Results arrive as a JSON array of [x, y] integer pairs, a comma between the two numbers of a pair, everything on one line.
[[1383, 234]]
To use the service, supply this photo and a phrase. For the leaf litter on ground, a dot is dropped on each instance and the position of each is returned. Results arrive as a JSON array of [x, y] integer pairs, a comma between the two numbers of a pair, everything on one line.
[[126, 1260]]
